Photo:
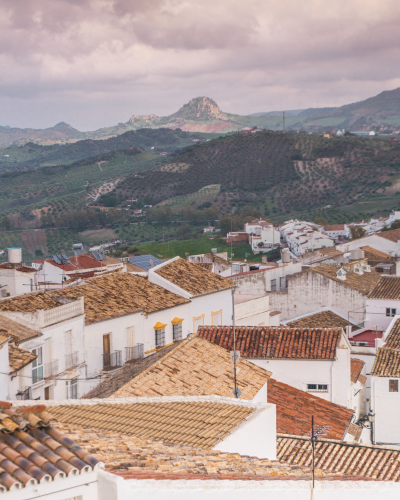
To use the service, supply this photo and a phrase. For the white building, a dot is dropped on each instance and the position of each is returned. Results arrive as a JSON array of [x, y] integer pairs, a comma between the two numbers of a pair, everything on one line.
[[386, 241], [336, 231], [302, 237], [15, 277], [383, 303], [262, 235]]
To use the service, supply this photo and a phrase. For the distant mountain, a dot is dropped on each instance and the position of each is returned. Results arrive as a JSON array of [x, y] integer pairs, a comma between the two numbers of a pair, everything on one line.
[[60, 132]]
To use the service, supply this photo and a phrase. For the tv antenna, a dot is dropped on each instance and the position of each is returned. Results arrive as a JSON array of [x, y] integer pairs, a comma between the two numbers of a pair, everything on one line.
[[235, 355], [316, 430], [283, 121]]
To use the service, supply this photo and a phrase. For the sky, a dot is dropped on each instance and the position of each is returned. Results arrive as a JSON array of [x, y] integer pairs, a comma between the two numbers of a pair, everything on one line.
[[95, 63]]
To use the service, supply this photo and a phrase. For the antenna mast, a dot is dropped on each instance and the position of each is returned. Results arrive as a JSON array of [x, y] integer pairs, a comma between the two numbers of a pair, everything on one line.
[[283, 119], [236, 390]]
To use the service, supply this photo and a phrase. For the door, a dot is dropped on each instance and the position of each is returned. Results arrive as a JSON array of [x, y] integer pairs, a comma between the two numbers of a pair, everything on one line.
[[47, 393], [106, 350]]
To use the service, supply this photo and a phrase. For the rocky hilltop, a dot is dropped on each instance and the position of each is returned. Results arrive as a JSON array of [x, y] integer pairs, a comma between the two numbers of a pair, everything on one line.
[[201, 109]]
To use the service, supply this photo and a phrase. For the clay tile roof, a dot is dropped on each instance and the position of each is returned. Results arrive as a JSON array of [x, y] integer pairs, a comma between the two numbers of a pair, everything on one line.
[[330, 251], [139, 458], [189, 423], [392, 235], [367, 461], [323, 319], [195, 368], [194, 279], [294, 409], [16, 331], [78, 262], [217, 258], [116, 294], [334, 227], [363, 283], [387, 363], [275, 343], [373, 253], [32, 451], [356, 366], [386, 288], [18, 358], [21, 269], [131, 268], [29, 302], [393, 339]]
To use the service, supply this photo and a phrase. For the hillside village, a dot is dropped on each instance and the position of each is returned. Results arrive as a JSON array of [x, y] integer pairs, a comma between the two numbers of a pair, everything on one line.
[[116, 372]]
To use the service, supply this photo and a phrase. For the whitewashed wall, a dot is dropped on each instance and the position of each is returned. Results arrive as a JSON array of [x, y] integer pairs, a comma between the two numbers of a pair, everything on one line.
[[373, 241], [386, 406], [16, 283], [4, 370], [376, 312]]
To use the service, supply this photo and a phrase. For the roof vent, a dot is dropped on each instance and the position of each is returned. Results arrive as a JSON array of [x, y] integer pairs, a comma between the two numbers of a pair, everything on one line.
[[358, 270], [341, 274]]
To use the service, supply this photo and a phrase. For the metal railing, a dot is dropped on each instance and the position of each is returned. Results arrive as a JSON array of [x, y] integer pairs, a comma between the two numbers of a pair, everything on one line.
[[362, 343], [22, 395], [71, 360], [51, 369], [112, 360], [132, 353]]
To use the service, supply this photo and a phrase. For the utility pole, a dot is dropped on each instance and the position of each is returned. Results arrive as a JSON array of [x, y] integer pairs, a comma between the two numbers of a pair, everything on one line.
[[283, 125], [236, 390]]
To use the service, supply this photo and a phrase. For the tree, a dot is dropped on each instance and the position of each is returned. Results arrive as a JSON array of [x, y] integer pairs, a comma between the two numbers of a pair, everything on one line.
[[227, 224], [5, 224], [320, 221], [38, 252], [184, 231], [357, 232]]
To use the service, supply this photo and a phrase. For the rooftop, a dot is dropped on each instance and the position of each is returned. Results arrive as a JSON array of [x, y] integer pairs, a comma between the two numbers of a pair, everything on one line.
[[356, 366], [199, 422], [363, 283], [78, 262], [143, 261], [278, 342], [393, 339], [386, 288], [33, 451], [116, 294], [334, 227], [21, 268], [375, 462], [294, 409], [16, 331], [18, 358], [387, 363], [392, 235], [29, 302], [374, 254], [195, 367], [330, 251], [323, 319], [193, 278]]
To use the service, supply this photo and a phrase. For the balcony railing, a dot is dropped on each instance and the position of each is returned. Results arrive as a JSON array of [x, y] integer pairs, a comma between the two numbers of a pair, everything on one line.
[[71, 360], [112, 360], [51, 369], [26, 394], [132, 353], [363, 343]]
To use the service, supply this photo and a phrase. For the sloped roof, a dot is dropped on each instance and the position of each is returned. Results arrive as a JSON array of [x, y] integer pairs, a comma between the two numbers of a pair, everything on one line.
[[392, 235], [186, 422], [374, 254], [196, 367], [116, 294], [386, 288], [375, 462], [294, 409], [363, 283], [393, 339], [29, 302], [21, 269], [356, 366], [82, 261], [18, 358], [276, 342], [193, 278], [16, 331], [323, 319], [135, 457], [32, 451], [143, 261], [387, 363], [334, 227]]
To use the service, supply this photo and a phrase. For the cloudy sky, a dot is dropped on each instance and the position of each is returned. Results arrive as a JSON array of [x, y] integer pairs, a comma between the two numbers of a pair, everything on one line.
[[94, 63]]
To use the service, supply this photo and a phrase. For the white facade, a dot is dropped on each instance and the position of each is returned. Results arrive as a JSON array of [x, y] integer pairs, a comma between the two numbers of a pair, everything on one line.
[[302, 237], [386, 406], [4, 370], [375, 241], [380, 312], [14, 282], [252, 310], [341, 230]]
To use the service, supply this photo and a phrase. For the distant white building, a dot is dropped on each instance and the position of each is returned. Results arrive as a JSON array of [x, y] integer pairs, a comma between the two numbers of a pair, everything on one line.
[[262, 235], [336, 231], [302, 237]]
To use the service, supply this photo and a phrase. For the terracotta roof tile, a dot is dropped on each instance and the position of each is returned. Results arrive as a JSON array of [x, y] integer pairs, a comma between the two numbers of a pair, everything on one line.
[[393, 235], [29, 302], [334, 227], [386, 288], [18, 358], [139, 458], [363, 283], [21, 269], [189, 423], [33, 451], [323, 319], [117, 294], [78, 262], [275, 343], [356, 366], [393, 339], [16, 331], [193, 278], [387, 363], [195, 367], [374, 254], [294, 409], [375, 462]]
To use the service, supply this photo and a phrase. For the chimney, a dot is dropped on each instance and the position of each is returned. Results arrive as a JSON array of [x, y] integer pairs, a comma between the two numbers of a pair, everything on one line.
[[264, 259]]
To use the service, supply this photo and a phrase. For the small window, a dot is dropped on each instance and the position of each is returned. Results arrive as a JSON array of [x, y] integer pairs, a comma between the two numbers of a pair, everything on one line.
[[37, 366], [216, 318], [283, 282], [390, 312], [177, 331], [73, 389], [273, 285], [160, 337], [317, 387], [393, 386]]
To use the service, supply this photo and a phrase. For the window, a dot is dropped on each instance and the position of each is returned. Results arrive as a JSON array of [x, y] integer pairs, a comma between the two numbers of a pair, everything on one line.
[[130, 336], [216, 318], [393, 386], [198, 321], [273, 285], [317, 387], [37, 366], [177, 331], [73, 388], [390, 312], [283, 282], [160, 337]]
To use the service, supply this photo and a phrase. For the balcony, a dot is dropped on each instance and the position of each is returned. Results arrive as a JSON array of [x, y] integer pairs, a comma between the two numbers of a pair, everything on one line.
[[23, 395], [112, 360], [71, 360], [51, 369], [132, 353]]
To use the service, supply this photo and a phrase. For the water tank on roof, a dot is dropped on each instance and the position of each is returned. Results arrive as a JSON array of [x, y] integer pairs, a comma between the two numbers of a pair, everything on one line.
[[15, 255], [286, 258], [356, 254]]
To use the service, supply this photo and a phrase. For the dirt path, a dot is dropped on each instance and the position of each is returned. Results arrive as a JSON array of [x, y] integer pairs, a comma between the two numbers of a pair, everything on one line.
[[101, 190], [99, 164]]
